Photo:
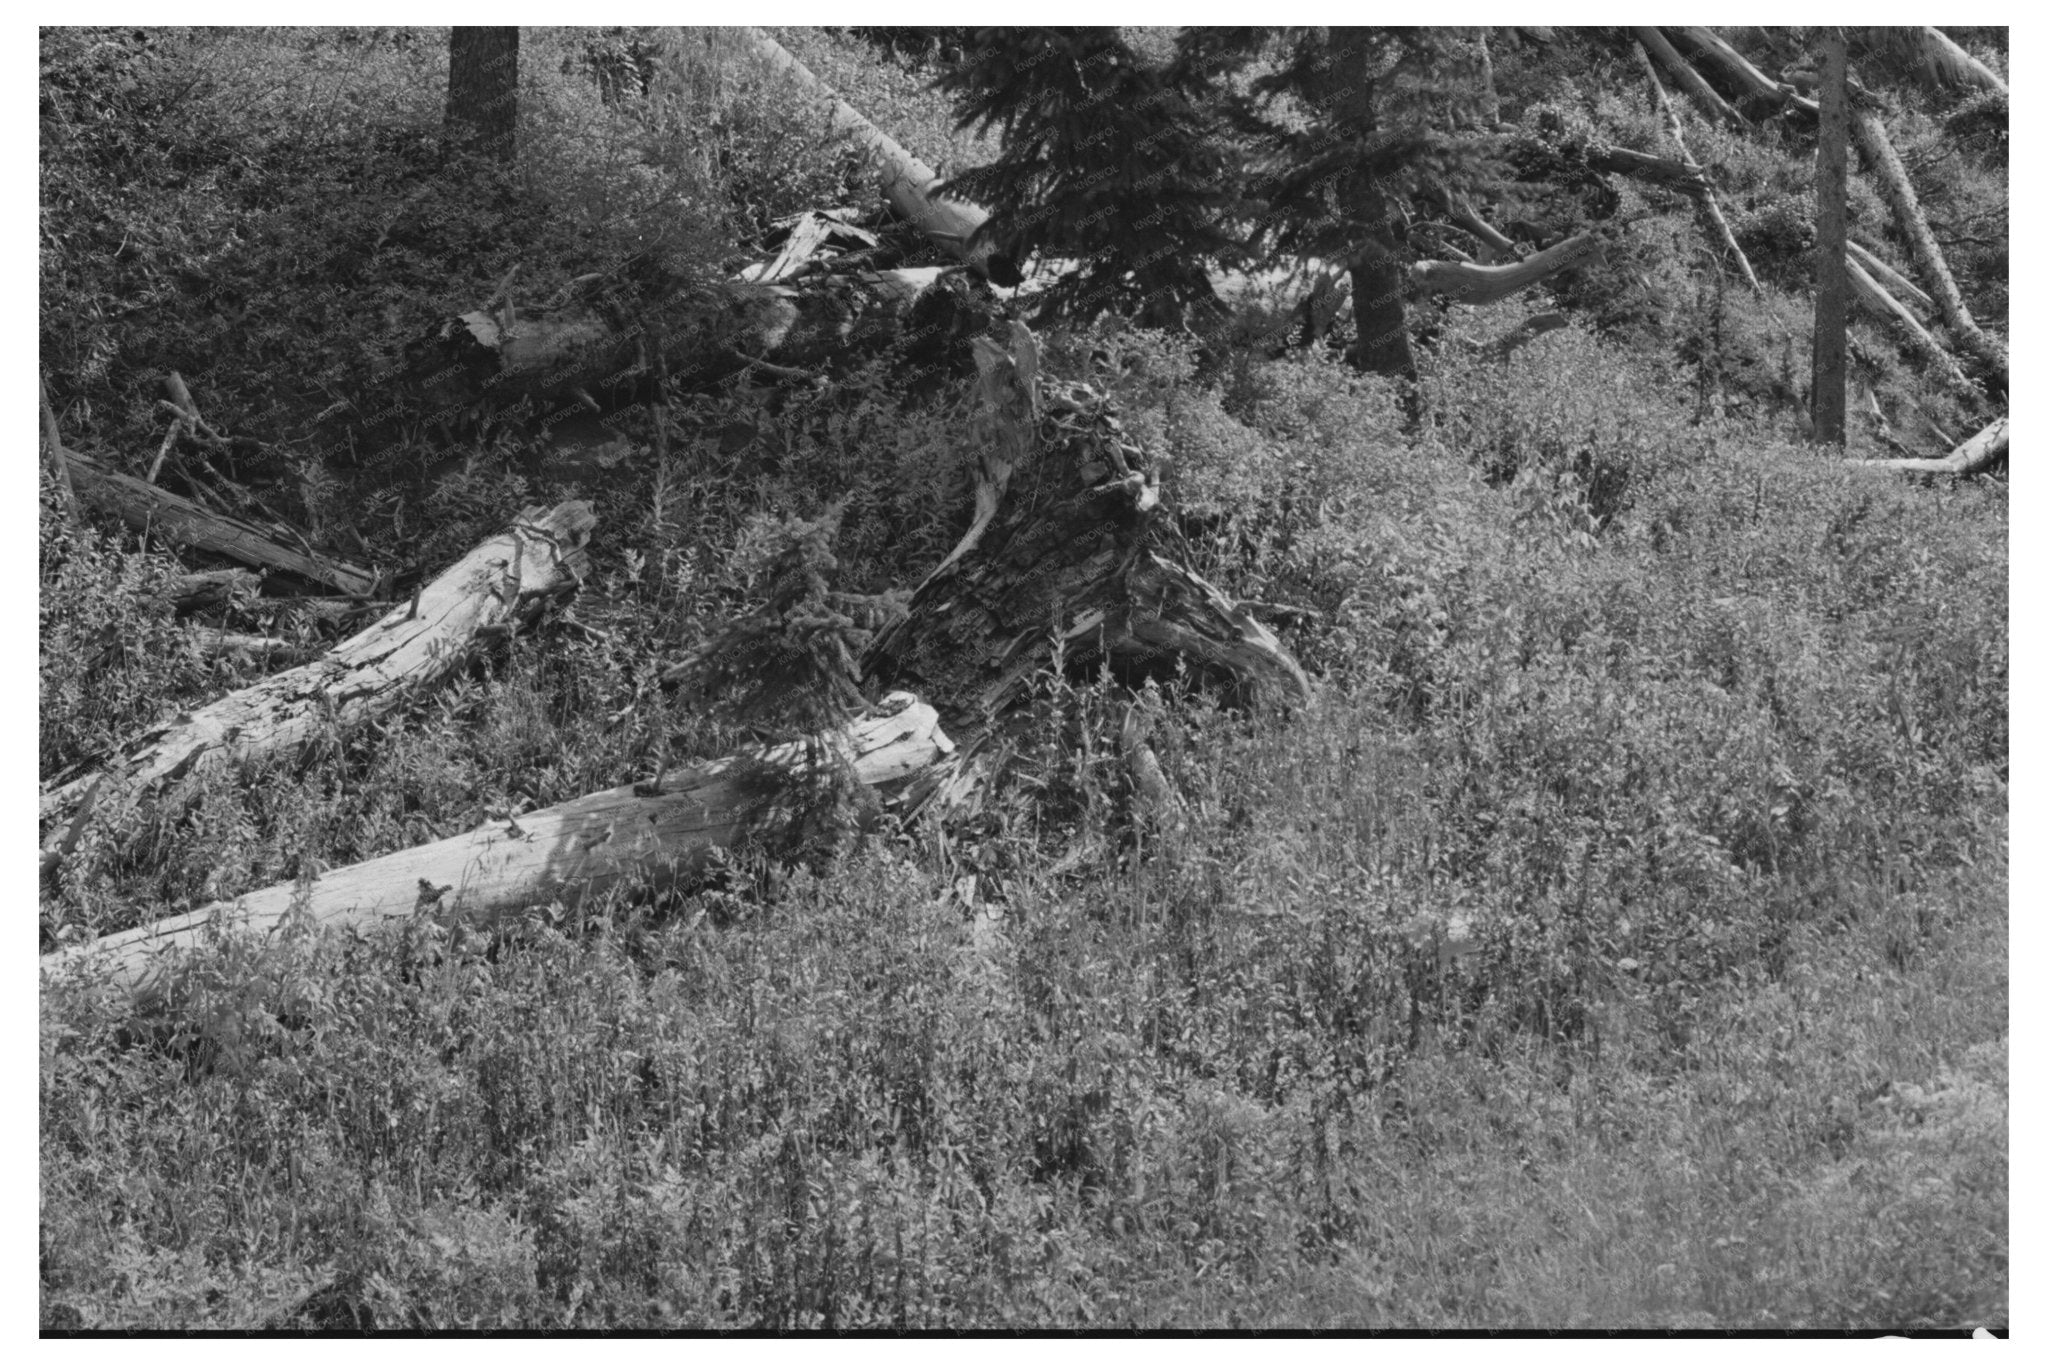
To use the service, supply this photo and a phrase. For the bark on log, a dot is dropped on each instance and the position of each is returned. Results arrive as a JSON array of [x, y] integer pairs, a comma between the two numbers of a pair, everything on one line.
[[909, 185], [1681, 70], [1710, 206], [661, 831], [540, 554], [1986, 450], [146, 507], [1905, 206]]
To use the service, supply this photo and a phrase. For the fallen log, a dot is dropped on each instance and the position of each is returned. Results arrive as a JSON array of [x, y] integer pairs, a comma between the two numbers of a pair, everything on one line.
[[540, 554], [144, 506], [660, 832], [1482, 284], [1710, 205], [1754, 84], [1932, 55], [1896, 284], [1875, 297], [1695, 84], [908, 184], [1986, 450], [1927, 255]]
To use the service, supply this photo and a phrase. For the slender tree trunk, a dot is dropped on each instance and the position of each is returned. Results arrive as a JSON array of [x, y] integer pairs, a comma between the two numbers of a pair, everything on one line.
[[483, 90], [1898, 188], [1831, 283]]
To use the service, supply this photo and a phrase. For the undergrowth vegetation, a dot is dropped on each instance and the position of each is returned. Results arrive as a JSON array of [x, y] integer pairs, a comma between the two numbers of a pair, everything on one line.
[[1617, 940]]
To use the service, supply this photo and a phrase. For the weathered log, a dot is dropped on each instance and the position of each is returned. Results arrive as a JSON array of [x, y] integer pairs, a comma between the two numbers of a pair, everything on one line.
[[1986, 450], [908, 184], [540, 554], [1070, 569], [1875, 297], [1927, 255], [1483, 284], [1710, 205], [1896, 284], [144, 506], [1681, 70], [1753, 84], [1932, 55], [660, 832]]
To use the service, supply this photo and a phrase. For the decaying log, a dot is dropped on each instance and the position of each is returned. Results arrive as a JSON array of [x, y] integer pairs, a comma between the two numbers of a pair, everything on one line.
[[1912, 223], [1986, 450], [1482, 284], [1060, 561], [1710, 205], [540, 554], [1681, 70], [183, 521], [660, 832], [907, 183]]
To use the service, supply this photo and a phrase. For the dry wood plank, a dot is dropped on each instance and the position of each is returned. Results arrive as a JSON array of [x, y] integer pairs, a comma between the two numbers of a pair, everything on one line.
[[661, 831]]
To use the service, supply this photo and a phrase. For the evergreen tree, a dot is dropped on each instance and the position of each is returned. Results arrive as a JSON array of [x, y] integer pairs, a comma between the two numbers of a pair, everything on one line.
[[1121, 161]]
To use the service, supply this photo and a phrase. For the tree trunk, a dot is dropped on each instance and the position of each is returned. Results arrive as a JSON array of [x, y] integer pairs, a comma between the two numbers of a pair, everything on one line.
[[908, 184], [1681, 70], [1905, 205], [662, 831], [483, 91], [145, 507], [1710, 206], [484, 593], [1986, 450], [1831, 284]]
